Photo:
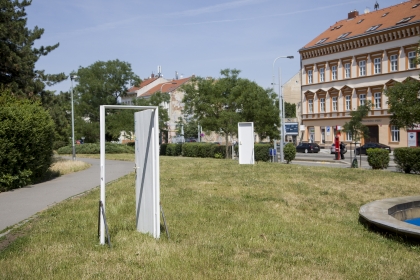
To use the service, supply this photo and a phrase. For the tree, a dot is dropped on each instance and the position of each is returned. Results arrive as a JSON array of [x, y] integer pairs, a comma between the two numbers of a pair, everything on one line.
[[101, 83], [189, 126], [213, 103], [18, 56], [218, 105], [404, 104], [123, 120], [355, 126], [289, 110], [259, 106]]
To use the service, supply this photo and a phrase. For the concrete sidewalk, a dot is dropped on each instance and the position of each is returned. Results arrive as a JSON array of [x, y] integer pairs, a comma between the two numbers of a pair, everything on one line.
[[20, 204]]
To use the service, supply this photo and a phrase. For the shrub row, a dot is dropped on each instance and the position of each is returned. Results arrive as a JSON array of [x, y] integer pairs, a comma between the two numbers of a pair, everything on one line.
[[26, 141], [378, 158], [407, 159], [94, 148], [210, 150]]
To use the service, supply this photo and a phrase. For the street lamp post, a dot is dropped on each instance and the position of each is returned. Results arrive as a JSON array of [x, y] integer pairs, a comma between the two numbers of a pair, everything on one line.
[[169, 106], [72, 77], [281, 108]]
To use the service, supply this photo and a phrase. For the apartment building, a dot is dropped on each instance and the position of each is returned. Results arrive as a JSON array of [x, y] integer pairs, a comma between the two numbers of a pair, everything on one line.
[[354, 61]]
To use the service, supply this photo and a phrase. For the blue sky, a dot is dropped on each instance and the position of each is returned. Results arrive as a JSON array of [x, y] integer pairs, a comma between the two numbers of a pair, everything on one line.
[[191, 37]]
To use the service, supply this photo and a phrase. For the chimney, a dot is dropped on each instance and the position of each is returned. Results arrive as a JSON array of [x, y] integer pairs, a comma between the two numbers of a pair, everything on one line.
[[353, 14]]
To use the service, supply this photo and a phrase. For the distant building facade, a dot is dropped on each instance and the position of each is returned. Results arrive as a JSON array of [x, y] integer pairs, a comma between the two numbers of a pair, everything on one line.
[[354, 61]]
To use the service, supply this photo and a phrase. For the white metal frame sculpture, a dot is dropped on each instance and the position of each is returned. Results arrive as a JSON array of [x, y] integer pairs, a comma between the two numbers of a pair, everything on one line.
[[155, 188]]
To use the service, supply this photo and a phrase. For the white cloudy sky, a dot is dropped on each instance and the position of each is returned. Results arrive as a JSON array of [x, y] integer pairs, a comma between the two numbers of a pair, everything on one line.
[[191, 37]]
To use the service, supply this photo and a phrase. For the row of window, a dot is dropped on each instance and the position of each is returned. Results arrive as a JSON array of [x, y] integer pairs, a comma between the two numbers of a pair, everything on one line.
[[395, 134], [377, 102], [377, 67]]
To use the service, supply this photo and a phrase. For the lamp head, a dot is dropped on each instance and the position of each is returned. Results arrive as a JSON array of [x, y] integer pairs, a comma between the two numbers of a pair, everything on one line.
[[290, 56], [73, 77]]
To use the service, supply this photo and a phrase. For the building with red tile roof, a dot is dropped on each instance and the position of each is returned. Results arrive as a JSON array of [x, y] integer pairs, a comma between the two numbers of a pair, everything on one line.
[[354, 61]]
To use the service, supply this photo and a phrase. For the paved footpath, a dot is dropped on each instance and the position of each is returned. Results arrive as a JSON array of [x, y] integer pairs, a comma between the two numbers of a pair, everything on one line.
[[20, 204]]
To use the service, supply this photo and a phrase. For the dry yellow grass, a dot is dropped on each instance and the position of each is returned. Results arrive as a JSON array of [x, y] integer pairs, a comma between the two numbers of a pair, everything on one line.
[[66, 166]]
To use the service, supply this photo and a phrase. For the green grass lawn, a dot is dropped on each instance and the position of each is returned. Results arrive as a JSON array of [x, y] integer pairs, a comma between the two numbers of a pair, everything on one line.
[[226, 221]]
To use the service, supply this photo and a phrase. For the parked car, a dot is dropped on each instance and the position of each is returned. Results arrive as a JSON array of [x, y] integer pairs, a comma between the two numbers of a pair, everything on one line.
[[333, 148], [308, 148], [371, 145]]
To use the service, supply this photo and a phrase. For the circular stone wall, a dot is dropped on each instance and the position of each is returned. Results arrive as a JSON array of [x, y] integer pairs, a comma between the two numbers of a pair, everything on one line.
[[389, 214]]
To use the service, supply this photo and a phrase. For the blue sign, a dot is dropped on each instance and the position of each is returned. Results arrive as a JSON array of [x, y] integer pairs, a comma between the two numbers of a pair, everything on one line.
[[272, 152], [291, 128]]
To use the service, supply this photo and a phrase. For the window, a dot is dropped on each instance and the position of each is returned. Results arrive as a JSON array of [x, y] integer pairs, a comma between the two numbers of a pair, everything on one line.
[[322, 104], [377, 65], [362, 68], [347, 72], [395, 133], [362, 99], [334, 72], [348, 102], [310, 77], [394, 62], [378, 97], [372, 28], [384, 15], [349, 136], [334, 103], [321, 41], [404, 20], [322, 74], [311, 105], [412, 60], [344, 35], [360, 21]]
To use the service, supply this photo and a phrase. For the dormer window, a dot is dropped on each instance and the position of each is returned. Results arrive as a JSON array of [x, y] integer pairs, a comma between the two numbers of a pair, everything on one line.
[[415, 6], [384, 15], [336, 27], [321, 41], [343, 35], [404, 20], [373, 27], [360, 21]]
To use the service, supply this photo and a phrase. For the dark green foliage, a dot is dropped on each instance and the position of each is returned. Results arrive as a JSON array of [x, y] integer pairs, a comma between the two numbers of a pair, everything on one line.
[[407, 159], [162, 150], [355, 127], [59, 107], [173, 149], [203, 150], [26, 141], [94, 148], [289, 152], [18, 55], [262, 152], [289, 110], [58, 144], [404, 106], [378, 158]]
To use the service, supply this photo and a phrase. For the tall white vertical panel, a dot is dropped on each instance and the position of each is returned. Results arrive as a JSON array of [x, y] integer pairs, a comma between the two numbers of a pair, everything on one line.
[[246, 142], [147, 172]]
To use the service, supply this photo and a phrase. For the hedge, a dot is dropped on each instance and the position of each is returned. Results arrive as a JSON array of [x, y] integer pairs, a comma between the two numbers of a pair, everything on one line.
[[95, 148], [26, 142], [407, 159]]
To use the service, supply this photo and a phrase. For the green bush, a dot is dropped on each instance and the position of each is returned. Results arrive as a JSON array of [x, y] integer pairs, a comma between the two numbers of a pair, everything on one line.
[[58, 144], [162, 151], [262, 152], [174, 149], [26, 141], [378, 158], [95, 148], [407, 159], [289, 152], [203, 150]]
